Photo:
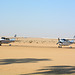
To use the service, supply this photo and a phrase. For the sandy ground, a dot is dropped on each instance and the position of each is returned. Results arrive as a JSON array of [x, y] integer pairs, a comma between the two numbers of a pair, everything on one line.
[[32, 58]]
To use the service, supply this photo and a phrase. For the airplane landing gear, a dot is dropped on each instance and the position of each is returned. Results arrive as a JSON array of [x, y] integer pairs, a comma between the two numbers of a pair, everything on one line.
[[0, 44], [9, 44], [59, 46], [70, 47]]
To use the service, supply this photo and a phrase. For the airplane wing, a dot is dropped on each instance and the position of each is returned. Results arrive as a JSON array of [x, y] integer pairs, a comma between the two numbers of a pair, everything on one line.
[[70, 38], [1, 39]]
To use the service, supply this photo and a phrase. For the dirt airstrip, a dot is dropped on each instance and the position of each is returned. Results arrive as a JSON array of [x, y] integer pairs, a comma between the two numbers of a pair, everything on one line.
[[36, 56]]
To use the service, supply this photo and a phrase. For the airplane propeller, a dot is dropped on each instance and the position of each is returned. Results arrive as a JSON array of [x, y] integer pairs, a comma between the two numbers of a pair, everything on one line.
[[58, 41]]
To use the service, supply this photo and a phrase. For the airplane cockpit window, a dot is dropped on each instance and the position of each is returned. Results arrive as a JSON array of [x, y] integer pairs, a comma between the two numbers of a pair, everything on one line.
[[7, 38], [2, 37], [64, 39]]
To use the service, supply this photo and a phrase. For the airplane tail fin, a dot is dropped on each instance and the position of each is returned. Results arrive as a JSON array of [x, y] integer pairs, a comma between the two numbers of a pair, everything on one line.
[[15, 35], [74, 37]]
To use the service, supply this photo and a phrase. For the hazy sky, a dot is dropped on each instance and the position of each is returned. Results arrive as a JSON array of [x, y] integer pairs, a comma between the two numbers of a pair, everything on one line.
[[37, 18]]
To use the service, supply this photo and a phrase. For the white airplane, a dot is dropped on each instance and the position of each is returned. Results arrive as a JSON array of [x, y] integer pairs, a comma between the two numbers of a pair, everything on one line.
[[65, 42], [4, 40]]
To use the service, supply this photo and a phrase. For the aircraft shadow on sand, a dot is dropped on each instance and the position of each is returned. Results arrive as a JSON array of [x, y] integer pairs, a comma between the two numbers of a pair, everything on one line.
[[54, 70], [25, 60]]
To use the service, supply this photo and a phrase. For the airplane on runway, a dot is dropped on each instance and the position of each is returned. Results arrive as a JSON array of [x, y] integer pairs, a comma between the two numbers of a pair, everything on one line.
[[65, 42], [4, 40]]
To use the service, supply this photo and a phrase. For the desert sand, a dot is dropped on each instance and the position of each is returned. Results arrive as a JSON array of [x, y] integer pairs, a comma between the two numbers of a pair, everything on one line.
[[36, 56]]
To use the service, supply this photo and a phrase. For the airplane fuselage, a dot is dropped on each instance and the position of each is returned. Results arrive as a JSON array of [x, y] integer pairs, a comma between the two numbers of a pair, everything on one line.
[[64, 42], [6, 41]]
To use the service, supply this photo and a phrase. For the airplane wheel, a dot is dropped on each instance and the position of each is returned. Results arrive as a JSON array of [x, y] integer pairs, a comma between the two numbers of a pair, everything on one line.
[[9, 44], [70, 47], [59, 46], [0, 44]]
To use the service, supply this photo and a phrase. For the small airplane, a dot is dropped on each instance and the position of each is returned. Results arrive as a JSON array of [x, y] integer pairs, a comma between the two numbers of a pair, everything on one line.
[[4, 40], [65, 42]]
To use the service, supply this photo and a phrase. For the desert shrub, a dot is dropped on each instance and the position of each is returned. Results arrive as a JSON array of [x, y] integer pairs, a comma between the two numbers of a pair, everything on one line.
[[30, 41], [36, 42]]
